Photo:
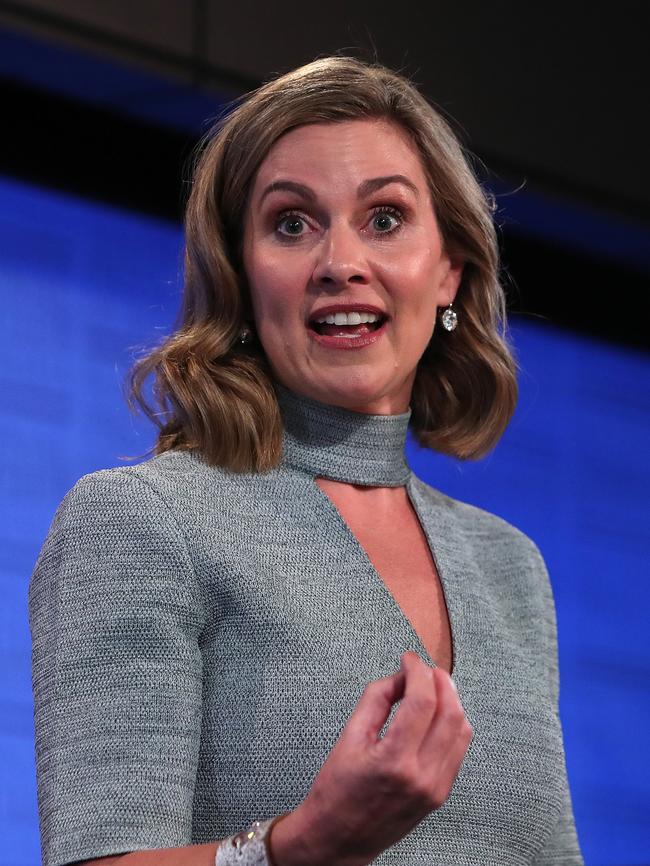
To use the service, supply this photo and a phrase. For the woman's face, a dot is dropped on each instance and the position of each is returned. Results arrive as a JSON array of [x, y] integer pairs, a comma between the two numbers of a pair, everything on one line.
[[330, 225]]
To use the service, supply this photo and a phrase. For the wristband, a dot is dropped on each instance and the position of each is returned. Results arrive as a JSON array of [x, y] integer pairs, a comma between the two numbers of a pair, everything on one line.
[[249, 847]]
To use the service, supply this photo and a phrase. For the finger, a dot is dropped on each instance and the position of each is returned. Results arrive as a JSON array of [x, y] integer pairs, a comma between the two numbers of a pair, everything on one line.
[[374, 706], [447, 737], [418, 707]]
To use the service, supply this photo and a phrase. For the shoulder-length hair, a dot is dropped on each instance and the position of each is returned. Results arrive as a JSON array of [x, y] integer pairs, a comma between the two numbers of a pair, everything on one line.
[[215, 394]]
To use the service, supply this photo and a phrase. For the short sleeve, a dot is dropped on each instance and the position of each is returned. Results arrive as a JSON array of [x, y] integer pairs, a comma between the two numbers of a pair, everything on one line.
[[115, 616]]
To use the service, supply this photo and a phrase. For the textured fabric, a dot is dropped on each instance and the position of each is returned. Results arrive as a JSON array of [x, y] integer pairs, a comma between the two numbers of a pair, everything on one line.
[[201, 637], [347, 446]]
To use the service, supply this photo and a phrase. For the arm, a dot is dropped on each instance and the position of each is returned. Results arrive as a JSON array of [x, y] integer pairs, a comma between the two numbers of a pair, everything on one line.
[[286, 848], [115, 614]]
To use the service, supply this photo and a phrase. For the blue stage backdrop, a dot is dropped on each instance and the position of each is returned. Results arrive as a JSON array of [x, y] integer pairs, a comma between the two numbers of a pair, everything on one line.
[[83, 284]]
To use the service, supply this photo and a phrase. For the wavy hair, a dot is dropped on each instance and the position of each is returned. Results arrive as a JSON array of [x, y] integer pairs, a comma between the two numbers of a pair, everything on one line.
[[215, 395]]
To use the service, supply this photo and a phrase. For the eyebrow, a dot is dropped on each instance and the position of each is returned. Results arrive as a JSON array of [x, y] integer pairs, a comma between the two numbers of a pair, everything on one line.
[[366, 188]]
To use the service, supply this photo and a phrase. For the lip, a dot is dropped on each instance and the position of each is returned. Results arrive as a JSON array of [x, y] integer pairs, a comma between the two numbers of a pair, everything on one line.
[[348, 342], [352, 308]]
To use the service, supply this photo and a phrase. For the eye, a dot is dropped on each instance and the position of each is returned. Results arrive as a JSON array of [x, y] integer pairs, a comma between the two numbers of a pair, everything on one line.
[[381, 217], [292, 219]]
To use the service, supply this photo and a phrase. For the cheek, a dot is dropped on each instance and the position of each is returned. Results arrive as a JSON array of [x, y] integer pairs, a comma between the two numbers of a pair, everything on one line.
[[263, 275], [413, 276], [265, 282], [276, 292]]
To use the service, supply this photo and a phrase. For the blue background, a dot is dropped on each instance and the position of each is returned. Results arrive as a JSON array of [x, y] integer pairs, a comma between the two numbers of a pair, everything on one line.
[[83, 285]]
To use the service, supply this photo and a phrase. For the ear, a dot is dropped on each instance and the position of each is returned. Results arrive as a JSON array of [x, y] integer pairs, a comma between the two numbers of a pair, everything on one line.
[[451, 281], [244, 292]]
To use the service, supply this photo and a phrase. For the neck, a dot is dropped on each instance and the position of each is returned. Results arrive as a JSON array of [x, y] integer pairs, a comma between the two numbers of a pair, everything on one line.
[[353, 447]]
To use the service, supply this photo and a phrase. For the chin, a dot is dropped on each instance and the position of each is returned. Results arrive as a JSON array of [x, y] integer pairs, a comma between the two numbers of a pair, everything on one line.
[[357, 396]]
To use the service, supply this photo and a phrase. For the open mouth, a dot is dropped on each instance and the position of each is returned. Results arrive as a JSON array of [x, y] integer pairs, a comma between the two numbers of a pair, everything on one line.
[[333, 330]]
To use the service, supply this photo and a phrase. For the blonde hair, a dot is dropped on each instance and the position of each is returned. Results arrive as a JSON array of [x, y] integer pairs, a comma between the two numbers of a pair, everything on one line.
[[215, 395]]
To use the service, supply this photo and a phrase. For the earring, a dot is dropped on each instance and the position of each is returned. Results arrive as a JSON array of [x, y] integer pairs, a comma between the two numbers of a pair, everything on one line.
[[449, 319], [245, 336]]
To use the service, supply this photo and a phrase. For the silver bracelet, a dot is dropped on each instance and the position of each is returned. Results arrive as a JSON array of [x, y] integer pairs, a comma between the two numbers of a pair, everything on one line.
[[249, 847]]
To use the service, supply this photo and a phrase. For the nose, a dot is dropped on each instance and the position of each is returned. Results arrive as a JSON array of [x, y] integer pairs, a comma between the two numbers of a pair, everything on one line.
[[341, 258]]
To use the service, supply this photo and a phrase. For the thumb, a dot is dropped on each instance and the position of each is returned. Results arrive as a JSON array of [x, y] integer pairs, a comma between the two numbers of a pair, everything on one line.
[[370, 714]]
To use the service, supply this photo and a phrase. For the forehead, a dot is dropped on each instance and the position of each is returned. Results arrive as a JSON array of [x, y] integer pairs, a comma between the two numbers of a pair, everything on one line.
[[335, 154]]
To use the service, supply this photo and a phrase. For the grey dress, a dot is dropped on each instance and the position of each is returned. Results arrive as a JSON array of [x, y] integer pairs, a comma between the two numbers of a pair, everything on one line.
[[201, 637]]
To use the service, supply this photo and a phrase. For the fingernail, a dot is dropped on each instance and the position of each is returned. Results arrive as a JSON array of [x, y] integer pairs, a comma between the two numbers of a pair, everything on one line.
[[454, 685]]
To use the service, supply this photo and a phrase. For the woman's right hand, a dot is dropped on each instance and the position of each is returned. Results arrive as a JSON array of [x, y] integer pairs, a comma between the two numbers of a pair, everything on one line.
[[372, 791]]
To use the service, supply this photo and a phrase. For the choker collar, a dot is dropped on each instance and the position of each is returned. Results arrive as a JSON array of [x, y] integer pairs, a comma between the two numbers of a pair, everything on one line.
[[332, 442]]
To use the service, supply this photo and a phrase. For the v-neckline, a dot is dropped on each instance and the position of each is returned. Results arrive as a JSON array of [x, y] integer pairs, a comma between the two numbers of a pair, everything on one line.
[[324, 440], [444, 575]]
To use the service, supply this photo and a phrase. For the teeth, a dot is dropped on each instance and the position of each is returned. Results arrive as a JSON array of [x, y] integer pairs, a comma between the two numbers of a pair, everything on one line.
[[348, 318]]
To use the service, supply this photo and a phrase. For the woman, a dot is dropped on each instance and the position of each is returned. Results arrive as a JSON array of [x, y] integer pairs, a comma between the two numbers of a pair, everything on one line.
[[216, 630]]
